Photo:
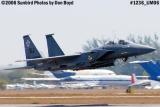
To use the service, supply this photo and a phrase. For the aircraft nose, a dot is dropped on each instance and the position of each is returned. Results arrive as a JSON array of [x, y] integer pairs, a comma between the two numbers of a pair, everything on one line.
[[147, 49], [150, 49]]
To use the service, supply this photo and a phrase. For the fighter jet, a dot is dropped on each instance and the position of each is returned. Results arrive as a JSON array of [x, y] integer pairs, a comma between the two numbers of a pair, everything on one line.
[[100, 57]]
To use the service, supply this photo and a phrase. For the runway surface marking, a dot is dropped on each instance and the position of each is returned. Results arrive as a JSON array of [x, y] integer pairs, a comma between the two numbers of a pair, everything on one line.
[[72, 97]]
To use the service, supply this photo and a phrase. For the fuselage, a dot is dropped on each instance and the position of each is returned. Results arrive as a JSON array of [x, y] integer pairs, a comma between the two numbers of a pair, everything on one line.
[[100, 57]]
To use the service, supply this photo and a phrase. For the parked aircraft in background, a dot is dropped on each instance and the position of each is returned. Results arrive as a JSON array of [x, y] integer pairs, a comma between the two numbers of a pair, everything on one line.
[[100, 57], [153, 70], [136, 82], [95, 77], [21, 86]]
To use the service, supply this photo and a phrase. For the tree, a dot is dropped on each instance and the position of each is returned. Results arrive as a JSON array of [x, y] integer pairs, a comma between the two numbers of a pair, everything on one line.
[[3, 84]]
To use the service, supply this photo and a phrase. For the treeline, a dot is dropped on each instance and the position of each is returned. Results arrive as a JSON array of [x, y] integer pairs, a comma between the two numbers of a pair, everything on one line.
[[125, 67], [15, 76]]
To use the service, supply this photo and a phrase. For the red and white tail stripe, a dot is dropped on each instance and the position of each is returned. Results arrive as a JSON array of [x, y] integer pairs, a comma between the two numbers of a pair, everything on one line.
[[133, 78]]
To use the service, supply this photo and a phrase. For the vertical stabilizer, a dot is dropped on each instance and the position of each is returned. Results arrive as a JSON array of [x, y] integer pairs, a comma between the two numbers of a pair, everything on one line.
[[55, 50], [53, 47], [30, 49], [151, 67]]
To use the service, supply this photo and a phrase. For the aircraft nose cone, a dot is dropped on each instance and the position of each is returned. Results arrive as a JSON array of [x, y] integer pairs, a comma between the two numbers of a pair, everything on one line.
[[148, 49]]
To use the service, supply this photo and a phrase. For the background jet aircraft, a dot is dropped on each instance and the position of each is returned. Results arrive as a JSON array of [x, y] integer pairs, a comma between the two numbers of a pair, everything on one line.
[[100, 57], [153, 69], [98, 77]]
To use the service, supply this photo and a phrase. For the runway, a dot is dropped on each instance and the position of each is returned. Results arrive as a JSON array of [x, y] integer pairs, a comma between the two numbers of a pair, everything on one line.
[[79, 97], [108, 99], [75, 105]]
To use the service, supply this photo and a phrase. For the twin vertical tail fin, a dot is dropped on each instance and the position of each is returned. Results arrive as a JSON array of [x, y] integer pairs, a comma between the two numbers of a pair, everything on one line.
[[30, 50], [55, 50], [152, 69], [53, 47]]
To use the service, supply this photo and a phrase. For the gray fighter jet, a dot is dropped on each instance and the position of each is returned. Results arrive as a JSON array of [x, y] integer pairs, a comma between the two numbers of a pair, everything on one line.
[[100, 57]]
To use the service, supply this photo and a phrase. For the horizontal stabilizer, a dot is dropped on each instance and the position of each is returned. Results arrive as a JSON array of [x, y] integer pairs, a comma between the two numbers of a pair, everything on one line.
[[19, 68], [138, 62]]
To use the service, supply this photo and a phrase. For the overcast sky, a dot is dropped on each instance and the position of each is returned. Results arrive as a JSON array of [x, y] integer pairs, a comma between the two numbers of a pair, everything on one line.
[[72, 25]]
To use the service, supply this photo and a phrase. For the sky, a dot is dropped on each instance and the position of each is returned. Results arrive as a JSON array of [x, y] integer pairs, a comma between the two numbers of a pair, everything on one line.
[[72, 25]]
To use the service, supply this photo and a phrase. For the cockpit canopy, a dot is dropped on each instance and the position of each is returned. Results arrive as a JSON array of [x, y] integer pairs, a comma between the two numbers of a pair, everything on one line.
[[111, 43], [121, 42]]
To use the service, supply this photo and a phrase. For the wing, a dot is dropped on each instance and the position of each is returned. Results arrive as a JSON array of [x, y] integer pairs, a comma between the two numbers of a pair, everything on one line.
[[100, 53], [141, 83], [40, 79], [51, 59], [18, 68]]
